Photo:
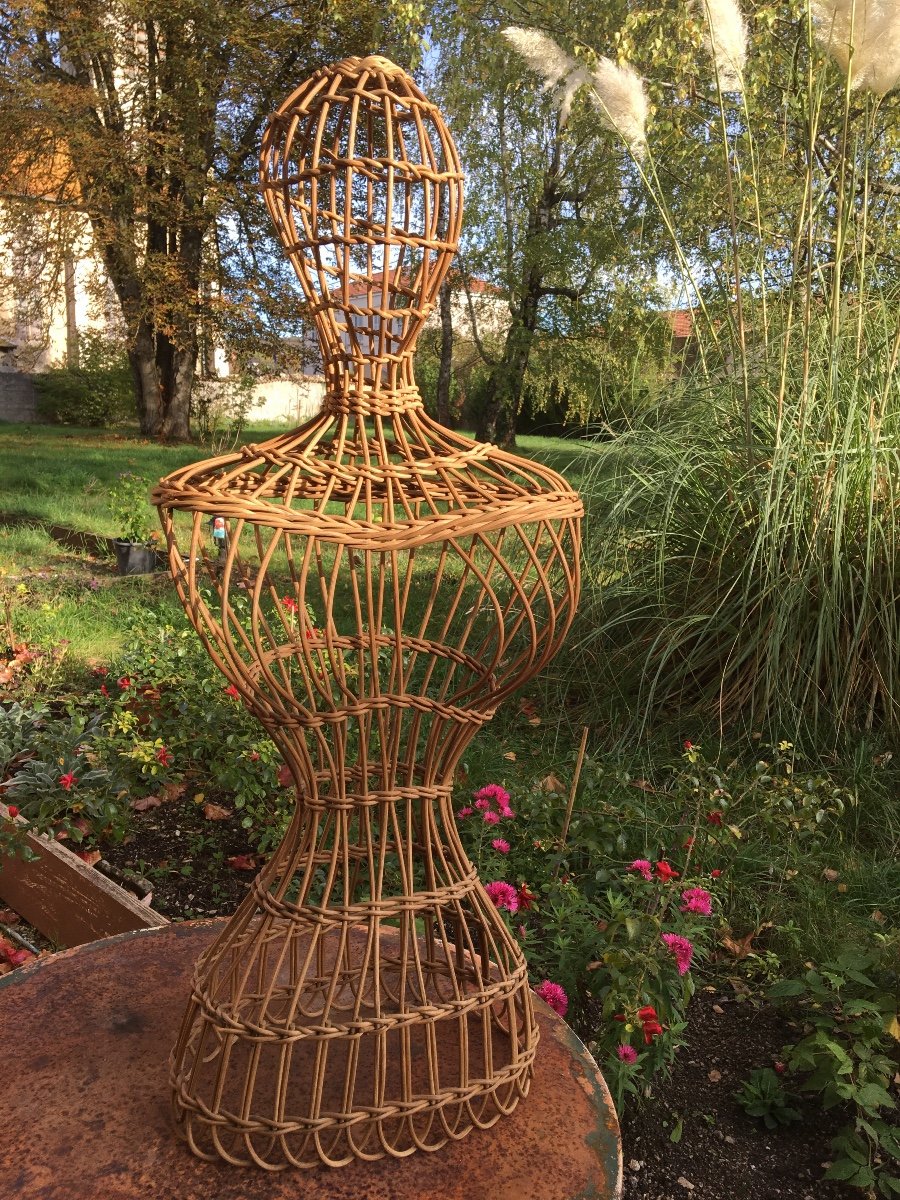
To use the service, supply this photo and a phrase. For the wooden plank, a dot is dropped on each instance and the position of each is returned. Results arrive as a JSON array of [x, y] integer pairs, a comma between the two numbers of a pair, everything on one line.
[[68, 901]]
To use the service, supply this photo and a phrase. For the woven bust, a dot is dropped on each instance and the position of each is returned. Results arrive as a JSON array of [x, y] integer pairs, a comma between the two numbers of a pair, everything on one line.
[[382, 585]]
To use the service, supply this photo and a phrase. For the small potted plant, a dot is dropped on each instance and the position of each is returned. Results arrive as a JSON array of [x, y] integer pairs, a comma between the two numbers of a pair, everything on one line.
[[135, 546]]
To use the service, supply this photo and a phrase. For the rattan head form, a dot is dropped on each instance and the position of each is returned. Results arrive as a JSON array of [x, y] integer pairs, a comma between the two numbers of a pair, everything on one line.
[[364, 185]]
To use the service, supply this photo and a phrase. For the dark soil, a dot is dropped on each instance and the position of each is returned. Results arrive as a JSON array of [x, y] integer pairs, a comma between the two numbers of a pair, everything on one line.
[[183, 857], [722, 1153]]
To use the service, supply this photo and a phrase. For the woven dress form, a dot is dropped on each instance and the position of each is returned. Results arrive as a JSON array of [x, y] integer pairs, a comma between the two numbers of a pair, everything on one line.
[[384, 583]]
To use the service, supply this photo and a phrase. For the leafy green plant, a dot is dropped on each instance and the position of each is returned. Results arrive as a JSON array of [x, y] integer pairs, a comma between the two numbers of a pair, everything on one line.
[[765, 1097], [129, 503], [98, 392], [849, 1056], [170, 695], [64, 785], [619, 943]]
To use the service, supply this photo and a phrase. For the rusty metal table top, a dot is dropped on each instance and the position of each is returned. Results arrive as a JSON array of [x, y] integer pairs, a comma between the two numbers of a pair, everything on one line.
[[87, 1035]]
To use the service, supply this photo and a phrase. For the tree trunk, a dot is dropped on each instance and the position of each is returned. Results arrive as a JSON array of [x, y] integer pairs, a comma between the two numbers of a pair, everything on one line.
[[497, 421], [445, 371], [163, 377]]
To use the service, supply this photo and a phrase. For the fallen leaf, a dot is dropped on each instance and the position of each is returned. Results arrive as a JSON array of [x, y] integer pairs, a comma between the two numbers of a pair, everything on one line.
[[717, 1008], [8, 917], [199, 797], [88, 856], [842, 887], [741, 948], [551, 783], [242, 862], [143, 803], [830, 874], [215, 812], [172, 791], [510, 755], [82, 825], [714, 1076], [878, 916], [642, 784], [534, 720]]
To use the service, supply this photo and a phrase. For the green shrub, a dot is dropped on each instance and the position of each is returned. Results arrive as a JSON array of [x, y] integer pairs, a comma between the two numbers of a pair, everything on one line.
[[58, 776], [98, 392], [849, 1056]]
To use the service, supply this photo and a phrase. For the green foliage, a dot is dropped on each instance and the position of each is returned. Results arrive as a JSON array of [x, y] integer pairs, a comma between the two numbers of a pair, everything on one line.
[[765, 1097], [849, 1056], [591, 926], [764, 587], [58, 777], [98, 392], [129, 502], [176, 697]]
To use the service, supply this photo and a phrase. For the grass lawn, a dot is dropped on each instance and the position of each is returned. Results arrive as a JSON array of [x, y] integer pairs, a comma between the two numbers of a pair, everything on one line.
[[58, 475]]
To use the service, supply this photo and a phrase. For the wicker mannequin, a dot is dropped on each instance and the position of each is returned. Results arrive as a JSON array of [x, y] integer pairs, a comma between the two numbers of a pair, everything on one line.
[[383, 585]]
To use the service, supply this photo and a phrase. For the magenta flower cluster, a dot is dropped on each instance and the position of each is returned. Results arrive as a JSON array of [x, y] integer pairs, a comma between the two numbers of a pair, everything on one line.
[[696, 900], [553, 995], [493, 804], [681, 948], [504, 895]]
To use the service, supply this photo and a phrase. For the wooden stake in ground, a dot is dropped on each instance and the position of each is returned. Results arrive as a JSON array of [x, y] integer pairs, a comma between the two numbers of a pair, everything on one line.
[[385, 585], [575, 778]]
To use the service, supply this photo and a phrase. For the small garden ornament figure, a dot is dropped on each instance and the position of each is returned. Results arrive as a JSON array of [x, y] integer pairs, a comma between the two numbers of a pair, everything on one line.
[[386, 583]]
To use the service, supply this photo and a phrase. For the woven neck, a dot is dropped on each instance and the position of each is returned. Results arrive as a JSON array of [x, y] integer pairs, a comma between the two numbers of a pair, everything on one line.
[[371, 402]]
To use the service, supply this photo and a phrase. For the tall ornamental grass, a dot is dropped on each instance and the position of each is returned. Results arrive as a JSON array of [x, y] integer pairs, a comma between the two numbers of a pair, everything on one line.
[[742, 548]]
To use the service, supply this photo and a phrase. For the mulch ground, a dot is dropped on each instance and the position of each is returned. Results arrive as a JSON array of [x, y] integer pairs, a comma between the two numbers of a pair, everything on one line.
[[722, 1154]]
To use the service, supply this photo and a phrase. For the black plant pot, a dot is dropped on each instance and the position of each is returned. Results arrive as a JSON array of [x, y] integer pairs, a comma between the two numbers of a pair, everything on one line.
[[134, 558]]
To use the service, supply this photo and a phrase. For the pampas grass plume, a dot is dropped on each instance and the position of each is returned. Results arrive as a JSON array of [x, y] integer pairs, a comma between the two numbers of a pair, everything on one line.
[[617, 92], [725, 37], [872, 27]]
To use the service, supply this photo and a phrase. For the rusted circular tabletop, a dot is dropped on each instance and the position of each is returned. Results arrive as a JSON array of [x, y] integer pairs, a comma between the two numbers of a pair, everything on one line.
[[87, 1035]]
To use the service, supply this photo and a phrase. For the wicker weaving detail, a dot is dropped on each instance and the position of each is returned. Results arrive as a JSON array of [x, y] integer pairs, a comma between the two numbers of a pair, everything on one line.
[[382, 585]]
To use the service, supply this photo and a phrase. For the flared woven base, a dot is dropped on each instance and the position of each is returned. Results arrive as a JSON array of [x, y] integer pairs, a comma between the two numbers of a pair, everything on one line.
[[431, 1050]]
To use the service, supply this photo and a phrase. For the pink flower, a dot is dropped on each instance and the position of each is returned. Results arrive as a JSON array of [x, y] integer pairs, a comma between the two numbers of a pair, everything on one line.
[[554, 995], [642, 867], [483, 804], [504, 895], [494, 792], [501, 845], [492, 818], [627, 1053], [464, 812], [696, 900], [681, 948], [68, 781]]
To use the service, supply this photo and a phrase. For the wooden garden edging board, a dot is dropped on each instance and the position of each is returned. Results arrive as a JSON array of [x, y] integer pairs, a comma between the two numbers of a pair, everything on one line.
[[68, 901]]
